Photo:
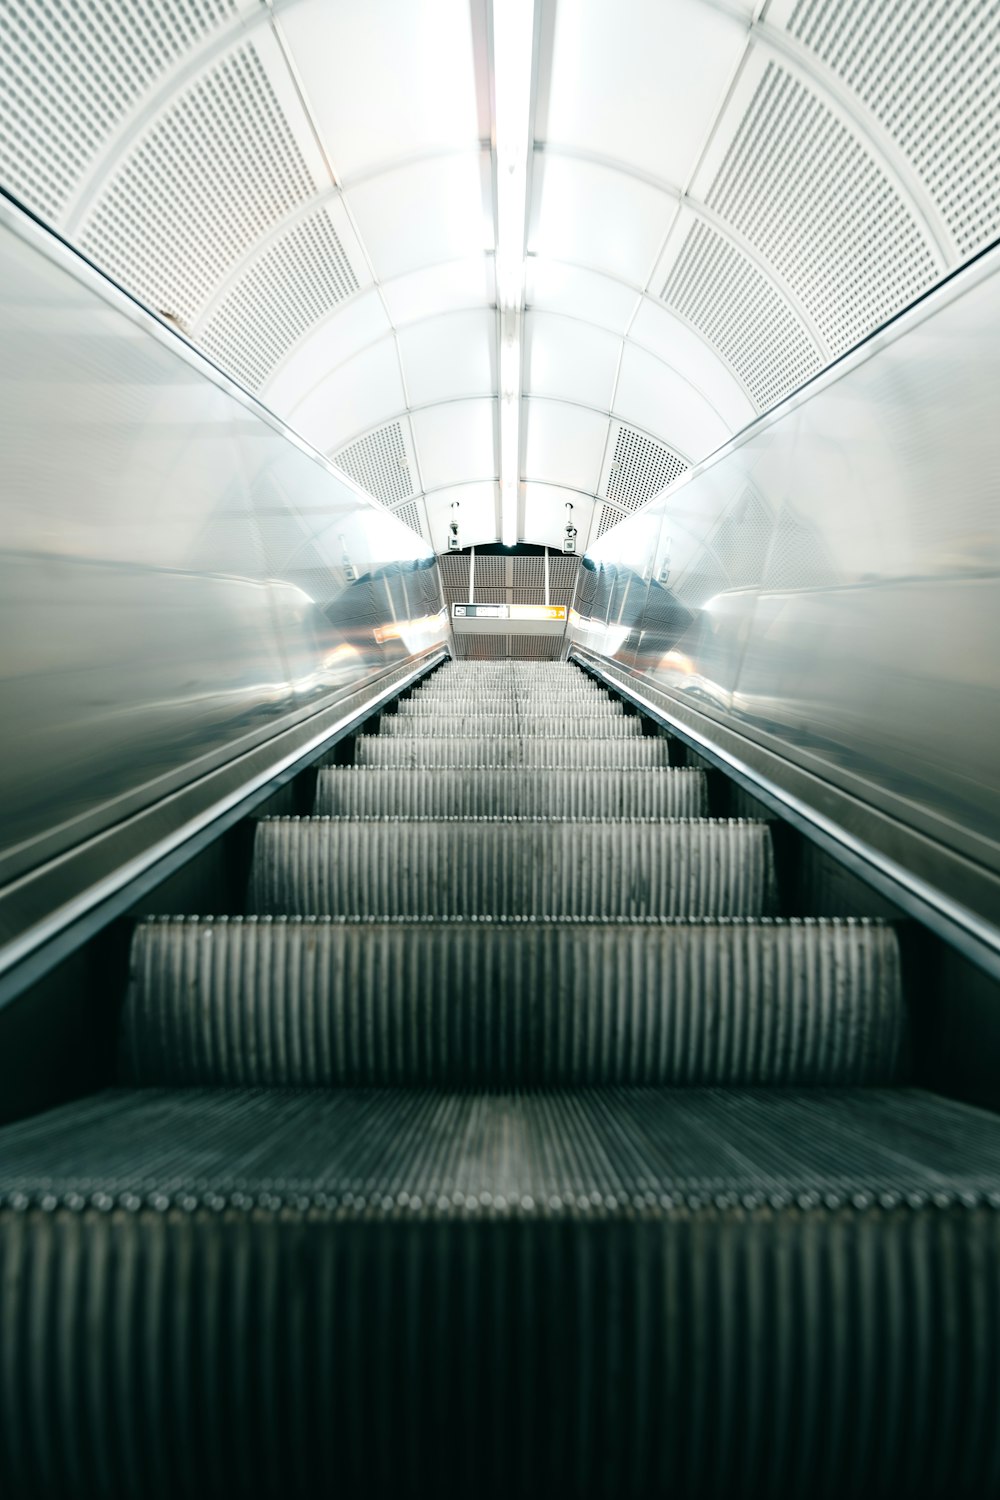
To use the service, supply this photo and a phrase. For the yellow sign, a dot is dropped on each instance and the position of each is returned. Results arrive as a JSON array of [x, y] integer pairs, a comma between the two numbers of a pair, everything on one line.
[[538, 611]]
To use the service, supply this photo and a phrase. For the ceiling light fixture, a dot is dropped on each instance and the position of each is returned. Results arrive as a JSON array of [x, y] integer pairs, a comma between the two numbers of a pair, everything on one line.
[[513, 41]]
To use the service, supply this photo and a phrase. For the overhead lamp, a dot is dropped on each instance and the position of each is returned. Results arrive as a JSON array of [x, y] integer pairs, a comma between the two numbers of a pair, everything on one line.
[[513, 42]]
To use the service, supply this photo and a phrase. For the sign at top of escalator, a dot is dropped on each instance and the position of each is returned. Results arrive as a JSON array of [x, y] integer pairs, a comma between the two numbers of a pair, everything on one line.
[[508, 611]]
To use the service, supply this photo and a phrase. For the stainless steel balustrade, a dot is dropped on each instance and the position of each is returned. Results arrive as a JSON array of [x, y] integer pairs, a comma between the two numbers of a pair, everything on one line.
[[184, 582], [822, 599]]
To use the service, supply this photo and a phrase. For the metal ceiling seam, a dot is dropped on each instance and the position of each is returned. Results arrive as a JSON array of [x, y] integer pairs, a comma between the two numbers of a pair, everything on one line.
[[869, 129], [383, 338], [297, 215], [713, 351], [611, 416], [349, 212], [330, 317], [627, 338], [137, 120], [683, 199]]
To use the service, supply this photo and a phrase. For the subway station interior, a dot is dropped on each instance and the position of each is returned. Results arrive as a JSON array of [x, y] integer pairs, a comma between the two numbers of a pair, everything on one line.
[[500, 749]]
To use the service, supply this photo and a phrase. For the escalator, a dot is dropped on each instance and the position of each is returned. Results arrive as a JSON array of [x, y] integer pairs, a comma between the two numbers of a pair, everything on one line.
[[512, 1142]]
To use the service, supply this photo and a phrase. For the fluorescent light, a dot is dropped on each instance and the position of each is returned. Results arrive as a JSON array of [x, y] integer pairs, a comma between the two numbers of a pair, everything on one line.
[[513, 41], [510, 426]]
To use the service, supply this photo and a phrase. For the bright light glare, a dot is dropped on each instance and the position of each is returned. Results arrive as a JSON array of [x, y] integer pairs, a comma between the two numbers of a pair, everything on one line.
[[513, 36], [513, 39]]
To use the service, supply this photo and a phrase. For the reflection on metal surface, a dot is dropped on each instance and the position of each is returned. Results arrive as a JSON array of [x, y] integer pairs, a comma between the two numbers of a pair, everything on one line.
[[181, 579], [829, 584]]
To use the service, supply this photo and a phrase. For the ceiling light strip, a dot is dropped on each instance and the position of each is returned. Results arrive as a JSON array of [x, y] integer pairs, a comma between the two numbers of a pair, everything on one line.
[[513, 41]]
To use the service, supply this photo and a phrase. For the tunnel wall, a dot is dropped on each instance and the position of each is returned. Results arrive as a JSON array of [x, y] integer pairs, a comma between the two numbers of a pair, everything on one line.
[[825, 589]]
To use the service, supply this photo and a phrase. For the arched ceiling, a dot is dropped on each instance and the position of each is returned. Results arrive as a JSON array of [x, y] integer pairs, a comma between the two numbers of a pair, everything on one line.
[[719, 197]]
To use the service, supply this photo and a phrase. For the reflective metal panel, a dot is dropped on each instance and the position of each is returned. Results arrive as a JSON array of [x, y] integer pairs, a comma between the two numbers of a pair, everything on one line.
[[180, 578], [829, 584]]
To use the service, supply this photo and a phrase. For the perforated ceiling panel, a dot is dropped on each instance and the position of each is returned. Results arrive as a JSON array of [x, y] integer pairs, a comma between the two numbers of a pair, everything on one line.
[[218, 170], [73, 72], [279, 298], [640, 469], [930, 73], [379, 463], [795, 201], [472, 647], [725, 297], [409, 514], [810, 198], [608, 517]]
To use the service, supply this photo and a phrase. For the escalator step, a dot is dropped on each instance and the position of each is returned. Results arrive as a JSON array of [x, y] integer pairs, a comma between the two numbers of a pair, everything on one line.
[[507, 693], [293, 1002], [487, 750], [473, 867], [552, 726], [368, 791], [552, 700], [615, 1293]]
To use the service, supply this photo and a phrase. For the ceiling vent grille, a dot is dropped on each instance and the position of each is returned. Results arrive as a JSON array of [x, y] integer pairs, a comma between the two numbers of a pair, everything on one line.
[[380, 464], [723, 295], [455, 575], [801, 188], [217, 171], [535, 647], [409, 514], [283, 294], [929, 73], [473, 647], [72, 73], [491, 572], [609, 516], [640, 469], [563, 571]]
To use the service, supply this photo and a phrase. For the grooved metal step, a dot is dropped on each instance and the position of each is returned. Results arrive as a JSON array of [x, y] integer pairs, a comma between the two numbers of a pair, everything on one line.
[[557, 693], [369, 791], [555, 726], [619, 1292], [298, 1002], [546, 705], [470, 867], [487, 750]]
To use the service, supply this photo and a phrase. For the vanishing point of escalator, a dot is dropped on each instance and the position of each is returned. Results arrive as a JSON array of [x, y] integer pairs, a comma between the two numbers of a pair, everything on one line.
[[512, 1143]]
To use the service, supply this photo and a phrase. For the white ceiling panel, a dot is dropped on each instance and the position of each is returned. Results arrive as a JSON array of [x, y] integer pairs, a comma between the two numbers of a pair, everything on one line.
[[671, 60], [553, 286], [385, 81], [477, 514], [569, 359], [358, 395], [441, 288], [455, 442], [663, 334], [545, 513], [453, 355], [594, 216], [563, 444], [429, 211], [655, 398], [338, 338]]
